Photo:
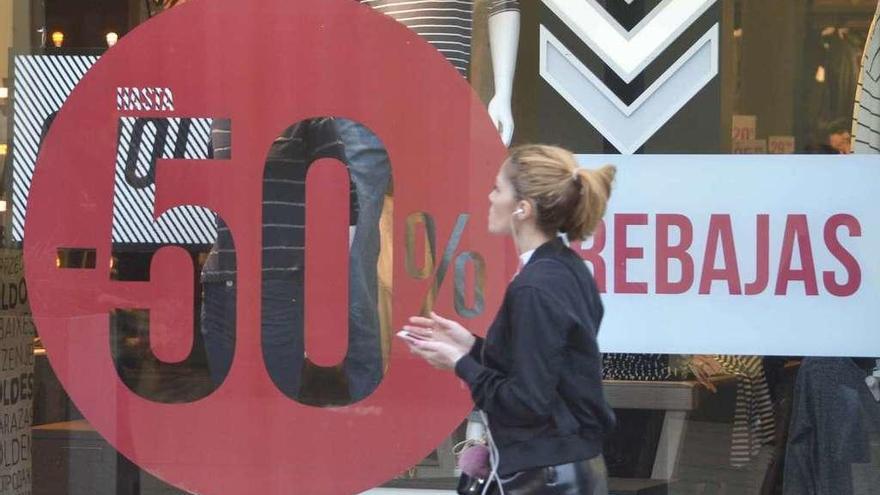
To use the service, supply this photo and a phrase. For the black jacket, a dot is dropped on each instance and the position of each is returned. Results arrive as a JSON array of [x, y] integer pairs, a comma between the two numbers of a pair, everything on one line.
[[538, 373]]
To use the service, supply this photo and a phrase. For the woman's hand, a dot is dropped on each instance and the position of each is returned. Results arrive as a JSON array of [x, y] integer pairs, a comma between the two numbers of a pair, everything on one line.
[[441, 355], [440, 330], [438, 341]]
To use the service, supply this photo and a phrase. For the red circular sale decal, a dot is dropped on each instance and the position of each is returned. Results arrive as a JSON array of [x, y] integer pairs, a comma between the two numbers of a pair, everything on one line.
[[263, 66]]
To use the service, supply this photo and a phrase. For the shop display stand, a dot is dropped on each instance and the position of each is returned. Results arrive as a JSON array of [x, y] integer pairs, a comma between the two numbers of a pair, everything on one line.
[[675, 398]]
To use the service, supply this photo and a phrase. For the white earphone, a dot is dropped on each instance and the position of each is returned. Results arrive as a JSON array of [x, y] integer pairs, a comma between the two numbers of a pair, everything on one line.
[[519, 211]]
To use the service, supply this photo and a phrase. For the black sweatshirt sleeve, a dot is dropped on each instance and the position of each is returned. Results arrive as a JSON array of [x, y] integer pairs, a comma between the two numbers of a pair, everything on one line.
[[539, 325], [477, 349]]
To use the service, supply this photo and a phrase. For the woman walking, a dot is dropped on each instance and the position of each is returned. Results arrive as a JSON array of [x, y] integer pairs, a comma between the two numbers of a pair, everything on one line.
[[537, 377]]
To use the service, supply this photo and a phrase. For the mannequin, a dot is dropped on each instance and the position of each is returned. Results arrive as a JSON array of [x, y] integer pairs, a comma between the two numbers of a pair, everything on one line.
[[873, 381], [504, 41], [834, 436], [866, 112], [449, 30], [282, 258], [446, 24]]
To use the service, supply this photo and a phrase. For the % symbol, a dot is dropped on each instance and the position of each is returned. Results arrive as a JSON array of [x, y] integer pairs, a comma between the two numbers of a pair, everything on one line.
[[461, 261]]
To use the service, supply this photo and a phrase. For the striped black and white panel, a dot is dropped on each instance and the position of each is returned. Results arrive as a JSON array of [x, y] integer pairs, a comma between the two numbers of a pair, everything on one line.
[[754, 421], [135, 192], [446, 24], [42, 83]]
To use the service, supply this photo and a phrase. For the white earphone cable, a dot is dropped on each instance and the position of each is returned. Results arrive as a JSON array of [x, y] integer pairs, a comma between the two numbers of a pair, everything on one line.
[[494, 458]]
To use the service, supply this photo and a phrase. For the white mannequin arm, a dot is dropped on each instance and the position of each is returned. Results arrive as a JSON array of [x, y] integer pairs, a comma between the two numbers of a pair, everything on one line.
[[503, 42]]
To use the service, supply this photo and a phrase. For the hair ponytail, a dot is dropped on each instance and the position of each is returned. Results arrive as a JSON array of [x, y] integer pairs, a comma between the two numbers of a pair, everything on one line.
[[567, 198], [594, 190]]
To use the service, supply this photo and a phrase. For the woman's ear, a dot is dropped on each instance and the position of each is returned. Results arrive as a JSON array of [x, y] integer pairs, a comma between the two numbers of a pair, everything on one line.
[[524, 209]]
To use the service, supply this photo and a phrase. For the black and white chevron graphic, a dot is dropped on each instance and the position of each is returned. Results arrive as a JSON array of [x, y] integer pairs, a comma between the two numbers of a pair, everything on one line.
[[42, 84], [627, 51]]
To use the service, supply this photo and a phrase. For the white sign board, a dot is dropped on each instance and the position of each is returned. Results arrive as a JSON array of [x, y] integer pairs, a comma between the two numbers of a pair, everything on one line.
[[740, 255]]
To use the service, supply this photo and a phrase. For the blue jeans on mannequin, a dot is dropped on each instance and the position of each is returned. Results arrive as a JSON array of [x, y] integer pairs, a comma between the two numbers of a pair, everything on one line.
[[283, 348], [282, 316], [370, 172]]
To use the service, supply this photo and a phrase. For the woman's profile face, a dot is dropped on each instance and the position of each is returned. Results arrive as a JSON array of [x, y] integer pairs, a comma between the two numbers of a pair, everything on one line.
[[502, 203]]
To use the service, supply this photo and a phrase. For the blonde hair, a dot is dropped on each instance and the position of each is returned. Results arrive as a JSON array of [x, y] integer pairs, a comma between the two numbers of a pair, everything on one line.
[[567, 198]]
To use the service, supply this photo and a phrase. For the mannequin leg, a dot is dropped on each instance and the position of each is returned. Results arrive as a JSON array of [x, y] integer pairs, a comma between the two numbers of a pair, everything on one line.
[[218, 327], [371, 173]]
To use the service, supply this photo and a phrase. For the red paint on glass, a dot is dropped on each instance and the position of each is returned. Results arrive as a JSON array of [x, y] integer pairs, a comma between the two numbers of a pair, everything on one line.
[[327, 220], [287, 61]]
